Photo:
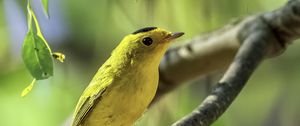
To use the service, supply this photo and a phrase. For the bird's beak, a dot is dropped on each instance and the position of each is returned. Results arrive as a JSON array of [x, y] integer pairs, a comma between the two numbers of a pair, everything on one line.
[[174, 35]]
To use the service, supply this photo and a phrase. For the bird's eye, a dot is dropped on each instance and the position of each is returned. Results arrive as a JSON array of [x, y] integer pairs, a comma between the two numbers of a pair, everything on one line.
[[147, 41]]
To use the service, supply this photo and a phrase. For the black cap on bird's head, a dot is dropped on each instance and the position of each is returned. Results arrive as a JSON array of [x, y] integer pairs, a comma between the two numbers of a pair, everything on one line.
[[146, 29], [168, 37]]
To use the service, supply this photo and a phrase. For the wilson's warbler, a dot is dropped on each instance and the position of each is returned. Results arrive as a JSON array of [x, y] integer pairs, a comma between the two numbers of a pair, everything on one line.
[[126, 83]]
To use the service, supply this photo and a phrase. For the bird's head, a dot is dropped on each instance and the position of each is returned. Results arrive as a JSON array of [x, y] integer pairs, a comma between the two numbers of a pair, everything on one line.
[[147, 43]]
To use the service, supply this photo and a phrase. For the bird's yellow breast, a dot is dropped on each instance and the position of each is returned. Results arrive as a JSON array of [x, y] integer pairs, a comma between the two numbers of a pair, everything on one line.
[[122, 106]]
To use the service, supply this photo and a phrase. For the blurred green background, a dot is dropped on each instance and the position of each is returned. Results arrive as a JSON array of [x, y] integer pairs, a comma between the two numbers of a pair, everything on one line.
[[87, 31]]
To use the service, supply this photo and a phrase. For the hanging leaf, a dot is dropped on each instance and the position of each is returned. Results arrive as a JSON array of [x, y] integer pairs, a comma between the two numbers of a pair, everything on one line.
[[45, 6], [37, 56], [36, 52]]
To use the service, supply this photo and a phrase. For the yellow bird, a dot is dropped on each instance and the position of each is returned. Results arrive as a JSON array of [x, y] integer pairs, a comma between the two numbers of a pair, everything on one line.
[[126, 83]]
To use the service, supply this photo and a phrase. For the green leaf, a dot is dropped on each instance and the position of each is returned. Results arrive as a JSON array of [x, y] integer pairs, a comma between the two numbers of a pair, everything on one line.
[[45, 5], [37, 56]]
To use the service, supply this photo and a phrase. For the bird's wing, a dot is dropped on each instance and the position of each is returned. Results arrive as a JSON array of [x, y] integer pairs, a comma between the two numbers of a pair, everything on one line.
[[90, 97], [84, 106], [93, 93]]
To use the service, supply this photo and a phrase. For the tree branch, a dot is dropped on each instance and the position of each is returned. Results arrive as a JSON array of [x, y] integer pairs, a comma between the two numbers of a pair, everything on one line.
[[248, 57], [198, 56], [260, 36]]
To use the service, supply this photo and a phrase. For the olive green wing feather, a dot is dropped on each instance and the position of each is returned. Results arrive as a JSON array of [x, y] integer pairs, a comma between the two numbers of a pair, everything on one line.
[[85, 105], [90, 97], [92, 94]]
